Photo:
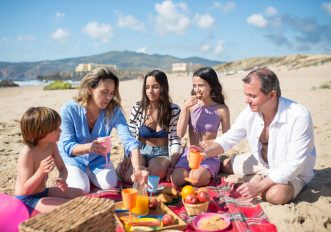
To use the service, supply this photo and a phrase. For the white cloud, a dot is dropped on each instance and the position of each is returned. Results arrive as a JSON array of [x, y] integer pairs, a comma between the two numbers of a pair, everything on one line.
[[100, 31], [142, 50], [60, 35], [171, 18], [129, 21], [205, 21], [327, 7], [257, 20], [219, 47], [270, 11], [204, 47], [60, 15], [29, 37], [225, 7]]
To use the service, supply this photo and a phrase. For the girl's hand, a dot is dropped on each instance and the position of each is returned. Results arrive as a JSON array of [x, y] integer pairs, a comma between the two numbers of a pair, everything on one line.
[[46, 165], [193, 100], [61, 184], [97, 148]]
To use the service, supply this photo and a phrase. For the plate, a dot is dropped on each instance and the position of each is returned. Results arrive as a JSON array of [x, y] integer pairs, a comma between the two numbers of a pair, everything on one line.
[[211, 222]]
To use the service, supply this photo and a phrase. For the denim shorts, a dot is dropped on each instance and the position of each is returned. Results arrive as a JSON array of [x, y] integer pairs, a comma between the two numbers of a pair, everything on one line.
[[30, 201], [150, 152]]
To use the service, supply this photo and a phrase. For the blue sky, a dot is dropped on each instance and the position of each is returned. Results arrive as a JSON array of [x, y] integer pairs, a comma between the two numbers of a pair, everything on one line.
[[220, 30]]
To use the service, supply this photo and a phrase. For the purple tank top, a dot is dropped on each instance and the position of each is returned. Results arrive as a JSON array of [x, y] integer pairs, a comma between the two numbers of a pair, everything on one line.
[[205, 119]]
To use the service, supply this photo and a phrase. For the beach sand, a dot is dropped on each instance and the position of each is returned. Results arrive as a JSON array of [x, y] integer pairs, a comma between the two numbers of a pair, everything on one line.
[[311, 211]]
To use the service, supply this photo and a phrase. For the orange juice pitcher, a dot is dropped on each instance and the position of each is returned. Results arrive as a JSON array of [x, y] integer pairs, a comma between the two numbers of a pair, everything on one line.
[[141, 207]]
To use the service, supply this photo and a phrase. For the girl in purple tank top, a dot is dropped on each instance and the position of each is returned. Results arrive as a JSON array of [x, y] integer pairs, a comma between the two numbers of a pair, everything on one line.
[[203, 113]]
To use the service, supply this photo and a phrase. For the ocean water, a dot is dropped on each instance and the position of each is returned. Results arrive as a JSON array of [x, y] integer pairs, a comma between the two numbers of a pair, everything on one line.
[[40, 83]]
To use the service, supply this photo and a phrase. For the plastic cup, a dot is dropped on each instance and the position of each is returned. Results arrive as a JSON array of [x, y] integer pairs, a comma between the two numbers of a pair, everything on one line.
[[153, 183], [195, 159], [129, 197], [106, 142]]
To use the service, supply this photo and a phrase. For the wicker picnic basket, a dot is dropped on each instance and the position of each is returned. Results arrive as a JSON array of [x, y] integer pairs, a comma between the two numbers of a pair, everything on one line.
[[80, 214], [196, 209]]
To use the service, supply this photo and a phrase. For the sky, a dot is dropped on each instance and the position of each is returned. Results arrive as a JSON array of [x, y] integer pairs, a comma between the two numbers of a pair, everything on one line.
[[38, 30]]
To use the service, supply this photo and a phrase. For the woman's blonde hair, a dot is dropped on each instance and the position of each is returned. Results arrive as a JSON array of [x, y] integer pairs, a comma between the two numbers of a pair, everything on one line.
[[91, 81], [37, 122]]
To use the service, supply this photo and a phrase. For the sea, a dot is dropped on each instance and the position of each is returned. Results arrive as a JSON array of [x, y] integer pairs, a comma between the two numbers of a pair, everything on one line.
[[39, 83]]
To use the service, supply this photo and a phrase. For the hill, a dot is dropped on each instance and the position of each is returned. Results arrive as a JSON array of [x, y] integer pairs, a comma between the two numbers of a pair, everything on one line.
[[289, 62], [125, 60]]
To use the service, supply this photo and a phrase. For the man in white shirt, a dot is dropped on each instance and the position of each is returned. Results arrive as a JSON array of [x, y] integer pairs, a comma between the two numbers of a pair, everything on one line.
[[281, 140]]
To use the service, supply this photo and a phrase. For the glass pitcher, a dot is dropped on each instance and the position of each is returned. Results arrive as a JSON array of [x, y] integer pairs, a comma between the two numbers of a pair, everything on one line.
[[140, 184]]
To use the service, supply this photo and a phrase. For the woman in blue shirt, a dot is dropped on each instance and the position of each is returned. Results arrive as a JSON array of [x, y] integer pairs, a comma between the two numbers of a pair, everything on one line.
[[93, 113]]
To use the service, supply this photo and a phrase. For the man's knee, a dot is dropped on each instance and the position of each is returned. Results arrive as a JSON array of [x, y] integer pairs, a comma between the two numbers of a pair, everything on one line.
[[226, 166], [279, 194]]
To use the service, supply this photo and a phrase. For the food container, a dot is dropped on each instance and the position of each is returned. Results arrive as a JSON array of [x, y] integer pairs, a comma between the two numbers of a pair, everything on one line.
[[211, 222], [196, 209]]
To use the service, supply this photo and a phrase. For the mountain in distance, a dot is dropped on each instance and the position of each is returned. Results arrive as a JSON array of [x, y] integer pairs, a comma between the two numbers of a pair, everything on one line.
[[124, 60]]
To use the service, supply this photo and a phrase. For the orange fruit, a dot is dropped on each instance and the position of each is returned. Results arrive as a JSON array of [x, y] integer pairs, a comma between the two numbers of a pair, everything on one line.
[[186, 190]]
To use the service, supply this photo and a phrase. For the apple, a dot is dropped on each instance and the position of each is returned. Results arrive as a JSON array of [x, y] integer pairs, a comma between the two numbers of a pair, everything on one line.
[[191, 199], [153, 202], [168, 220], [203, 196]]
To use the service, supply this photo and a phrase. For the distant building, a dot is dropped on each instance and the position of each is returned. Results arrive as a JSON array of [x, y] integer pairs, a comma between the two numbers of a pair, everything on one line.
[[179, 67], [90, 66]]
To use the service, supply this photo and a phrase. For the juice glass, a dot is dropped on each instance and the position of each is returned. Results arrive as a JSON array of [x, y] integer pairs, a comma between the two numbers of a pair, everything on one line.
[[141, 207]]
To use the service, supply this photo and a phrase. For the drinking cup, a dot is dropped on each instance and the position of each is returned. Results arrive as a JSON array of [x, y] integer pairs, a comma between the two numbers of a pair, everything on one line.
[[105, 142], [195, 159], [153, 183], [129, 196]]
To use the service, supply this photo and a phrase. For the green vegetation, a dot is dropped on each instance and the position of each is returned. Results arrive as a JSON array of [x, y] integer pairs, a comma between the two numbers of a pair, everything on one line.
[[58, 85]]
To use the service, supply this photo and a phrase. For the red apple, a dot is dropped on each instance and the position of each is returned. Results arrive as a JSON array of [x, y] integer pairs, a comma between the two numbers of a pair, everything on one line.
[[191, 199], [203, 196], [153, 202], [167, 220]]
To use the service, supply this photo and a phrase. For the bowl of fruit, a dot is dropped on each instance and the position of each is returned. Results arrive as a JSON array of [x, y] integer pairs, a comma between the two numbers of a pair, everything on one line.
[[196, 202]]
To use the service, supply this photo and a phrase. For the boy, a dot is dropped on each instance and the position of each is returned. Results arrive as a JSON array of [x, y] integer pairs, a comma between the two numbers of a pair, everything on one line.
[[40, 127]]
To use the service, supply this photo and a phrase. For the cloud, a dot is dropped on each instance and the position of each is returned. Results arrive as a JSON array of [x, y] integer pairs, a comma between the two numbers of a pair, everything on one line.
[[60, 15], [327, 7], [257, 20], [142, 50], [219, 47], [270, 11], [29, 37], [129, 21], [60, 35], [100, 31], [205, 21], [171, 18], [227, 7], [204, 47]]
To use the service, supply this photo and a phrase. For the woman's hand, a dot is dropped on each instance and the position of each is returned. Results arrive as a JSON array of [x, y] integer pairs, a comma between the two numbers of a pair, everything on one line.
[[97, 148]]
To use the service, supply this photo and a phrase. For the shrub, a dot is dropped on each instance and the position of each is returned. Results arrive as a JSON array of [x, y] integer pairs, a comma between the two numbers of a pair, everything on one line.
[[58, 85]]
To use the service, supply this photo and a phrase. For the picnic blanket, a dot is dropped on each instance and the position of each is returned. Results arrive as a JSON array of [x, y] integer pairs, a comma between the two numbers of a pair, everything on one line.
[[244, 215]]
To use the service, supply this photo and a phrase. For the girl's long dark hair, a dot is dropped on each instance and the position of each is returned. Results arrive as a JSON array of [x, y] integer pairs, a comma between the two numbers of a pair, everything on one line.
[[164, 112], [208, 74]]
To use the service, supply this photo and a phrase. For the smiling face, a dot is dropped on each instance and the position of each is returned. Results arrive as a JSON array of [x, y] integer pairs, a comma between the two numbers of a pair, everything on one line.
[[201, 88], [258, 101], [103, 93], [153, 89]]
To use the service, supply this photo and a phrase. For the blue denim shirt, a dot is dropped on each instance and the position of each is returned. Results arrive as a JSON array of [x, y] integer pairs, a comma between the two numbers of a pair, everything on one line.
[[75, 131]]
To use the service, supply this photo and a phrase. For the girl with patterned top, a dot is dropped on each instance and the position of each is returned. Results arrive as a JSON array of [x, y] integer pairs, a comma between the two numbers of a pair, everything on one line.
[[153, 121], [203, 113]]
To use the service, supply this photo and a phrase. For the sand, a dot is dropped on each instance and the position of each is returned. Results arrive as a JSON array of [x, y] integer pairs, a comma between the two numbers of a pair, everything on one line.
[[311, 211]]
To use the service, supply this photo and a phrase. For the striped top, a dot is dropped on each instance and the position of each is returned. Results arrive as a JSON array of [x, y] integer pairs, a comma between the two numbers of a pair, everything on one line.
[[137, 120], [205, 119]]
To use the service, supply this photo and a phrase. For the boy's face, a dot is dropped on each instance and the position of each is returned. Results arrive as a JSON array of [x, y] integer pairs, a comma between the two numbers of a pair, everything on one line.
[[53, 136]]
